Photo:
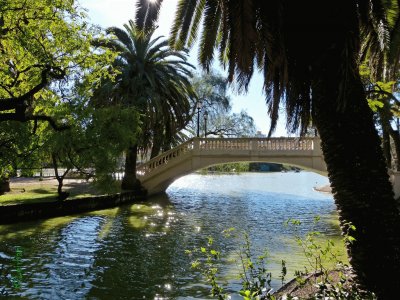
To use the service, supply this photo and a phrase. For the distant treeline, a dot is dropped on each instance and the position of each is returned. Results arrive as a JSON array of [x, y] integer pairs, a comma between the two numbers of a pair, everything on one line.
[[250, 167]]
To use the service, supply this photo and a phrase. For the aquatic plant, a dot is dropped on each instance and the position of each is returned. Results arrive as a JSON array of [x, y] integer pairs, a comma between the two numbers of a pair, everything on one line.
[[325, 276]]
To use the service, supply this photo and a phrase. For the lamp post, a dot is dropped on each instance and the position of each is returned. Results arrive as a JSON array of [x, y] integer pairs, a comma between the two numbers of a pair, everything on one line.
[[199, 104], [205, 123]]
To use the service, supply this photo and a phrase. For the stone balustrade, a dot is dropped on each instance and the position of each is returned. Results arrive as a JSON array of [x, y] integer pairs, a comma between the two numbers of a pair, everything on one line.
[[203, 145]]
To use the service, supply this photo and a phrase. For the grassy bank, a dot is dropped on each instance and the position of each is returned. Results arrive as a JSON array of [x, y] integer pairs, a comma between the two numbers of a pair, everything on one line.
[[33, 190]]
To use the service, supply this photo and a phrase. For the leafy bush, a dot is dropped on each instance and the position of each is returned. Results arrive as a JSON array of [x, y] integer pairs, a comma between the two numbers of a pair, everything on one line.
[[328, 277]]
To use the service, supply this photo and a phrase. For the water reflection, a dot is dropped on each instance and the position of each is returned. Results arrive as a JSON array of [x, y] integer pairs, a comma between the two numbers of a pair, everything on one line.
[[137, 251]]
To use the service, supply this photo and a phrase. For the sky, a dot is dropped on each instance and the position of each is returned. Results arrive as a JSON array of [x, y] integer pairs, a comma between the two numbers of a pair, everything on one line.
[[108, 13]]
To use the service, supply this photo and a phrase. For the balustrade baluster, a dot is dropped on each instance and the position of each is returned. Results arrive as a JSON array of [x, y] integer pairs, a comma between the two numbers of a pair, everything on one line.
[[229, 145]]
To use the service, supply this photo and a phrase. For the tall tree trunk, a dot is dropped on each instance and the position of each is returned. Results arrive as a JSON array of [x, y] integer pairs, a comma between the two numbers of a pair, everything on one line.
[[130, 182], [157, 142], [386, 136], [396, 139], [4, 185], [60, 178], [359, 179]]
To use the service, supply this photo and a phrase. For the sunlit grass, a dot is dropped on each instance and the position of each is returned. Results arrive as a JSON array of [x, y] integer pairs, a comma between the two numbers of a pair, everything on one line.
[[29, 194], [36, 191]]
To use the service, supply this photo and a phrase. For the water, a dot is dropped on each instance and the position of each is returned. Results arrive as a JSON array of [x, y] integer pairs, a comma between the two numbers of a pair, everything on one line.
[[138, 251]]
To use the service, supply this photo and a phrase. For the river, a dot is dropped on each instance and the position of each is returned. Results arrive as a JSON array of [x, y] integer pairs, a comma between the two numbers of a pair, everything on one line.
[[138, 251]]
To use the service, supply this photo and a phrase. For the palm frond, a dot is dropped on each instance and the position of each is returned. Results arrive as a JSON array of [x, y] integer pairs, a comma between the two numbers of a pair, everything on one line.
[[110, 44], [375, 34], [151, 77], [212, 15], [191, 7], [244, 38], [196, 22], [147, 13], [180, 18], [121, 35], [394, 48]]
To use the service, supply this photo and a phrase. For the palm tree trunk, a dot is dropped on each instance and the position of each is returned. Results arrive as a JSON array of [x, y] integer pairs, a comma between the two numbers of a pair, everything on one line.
[[396, 139], [130, 182], [359, 180], [385, 123], [157, 142]]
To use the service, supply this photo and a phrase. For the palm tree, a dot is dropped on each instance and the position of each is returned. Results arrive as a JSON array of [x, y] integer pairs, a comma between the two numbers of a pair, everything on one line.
[[384, 68], [308, 52], [152, 78]]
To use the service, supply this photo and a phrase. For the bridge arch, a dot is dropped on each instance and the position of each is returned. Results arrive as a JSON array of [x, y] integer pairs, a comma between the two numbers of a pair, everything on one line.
[[158, 173]]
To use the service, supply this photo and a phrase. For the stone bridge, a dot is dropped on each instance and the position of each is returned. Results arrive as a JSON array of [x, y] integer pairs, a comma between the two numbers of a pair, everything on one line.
[[158, 173]]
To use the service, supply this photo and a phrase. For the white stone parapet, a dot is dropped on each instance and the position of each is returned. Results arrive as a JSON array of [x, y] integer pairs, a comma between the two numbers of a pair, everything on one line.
[[197, 153]]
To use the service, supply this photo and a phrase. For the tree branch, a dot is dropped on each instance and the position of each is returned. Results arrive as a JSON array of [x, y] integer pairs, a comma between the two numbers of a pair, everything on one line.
[[21, 103], [24, 118]]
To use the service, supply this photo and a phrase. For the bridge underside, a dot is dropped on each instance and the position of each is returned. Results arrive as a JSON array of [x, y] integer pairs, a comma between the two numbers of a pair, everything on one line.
[[161, 178]]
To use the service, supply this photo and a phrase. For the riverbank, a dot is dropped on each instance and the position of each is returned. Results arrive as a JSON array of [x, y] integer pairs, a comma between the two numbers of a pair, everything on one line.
[[32, 190], [31, 198], [323, 189]]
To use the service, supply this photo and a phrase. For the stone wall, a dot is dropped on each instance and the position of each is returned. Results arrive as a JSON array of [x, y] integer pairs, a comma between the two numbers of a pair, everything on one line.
[[31, 211]]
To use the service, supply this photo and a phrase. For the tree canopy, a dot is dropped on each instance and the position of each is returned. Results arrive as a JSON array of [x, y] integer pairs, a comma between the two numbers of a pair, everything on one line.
[[152, 78], [42, 43], [216, 118]]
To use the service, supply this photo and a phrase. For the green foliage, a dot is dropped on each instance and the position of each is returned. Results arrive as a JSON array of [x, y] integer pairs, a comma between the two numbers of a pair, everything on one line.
[[207, 264], [382, 92], [95, 142], [17, 275], [37, 35], [253, 274], [112, 130], [212, 91], [11, 277], [46, 50], [375, 105], [229, 168], [256, 280], [161, 91], [322, 257], [18, 147]]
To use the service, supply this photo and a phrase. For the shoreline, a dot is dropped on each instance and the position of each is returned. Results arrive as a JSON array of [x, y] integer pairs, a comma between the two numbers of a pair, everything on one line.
[[28, 211], [326, 189]]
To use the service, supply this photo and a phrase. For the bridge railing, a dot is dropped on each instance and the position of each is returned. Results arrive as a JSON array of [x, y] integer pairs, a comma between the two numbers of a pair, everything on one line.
[[286, 144], [226, 144], [256, 144], [165, 157]]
